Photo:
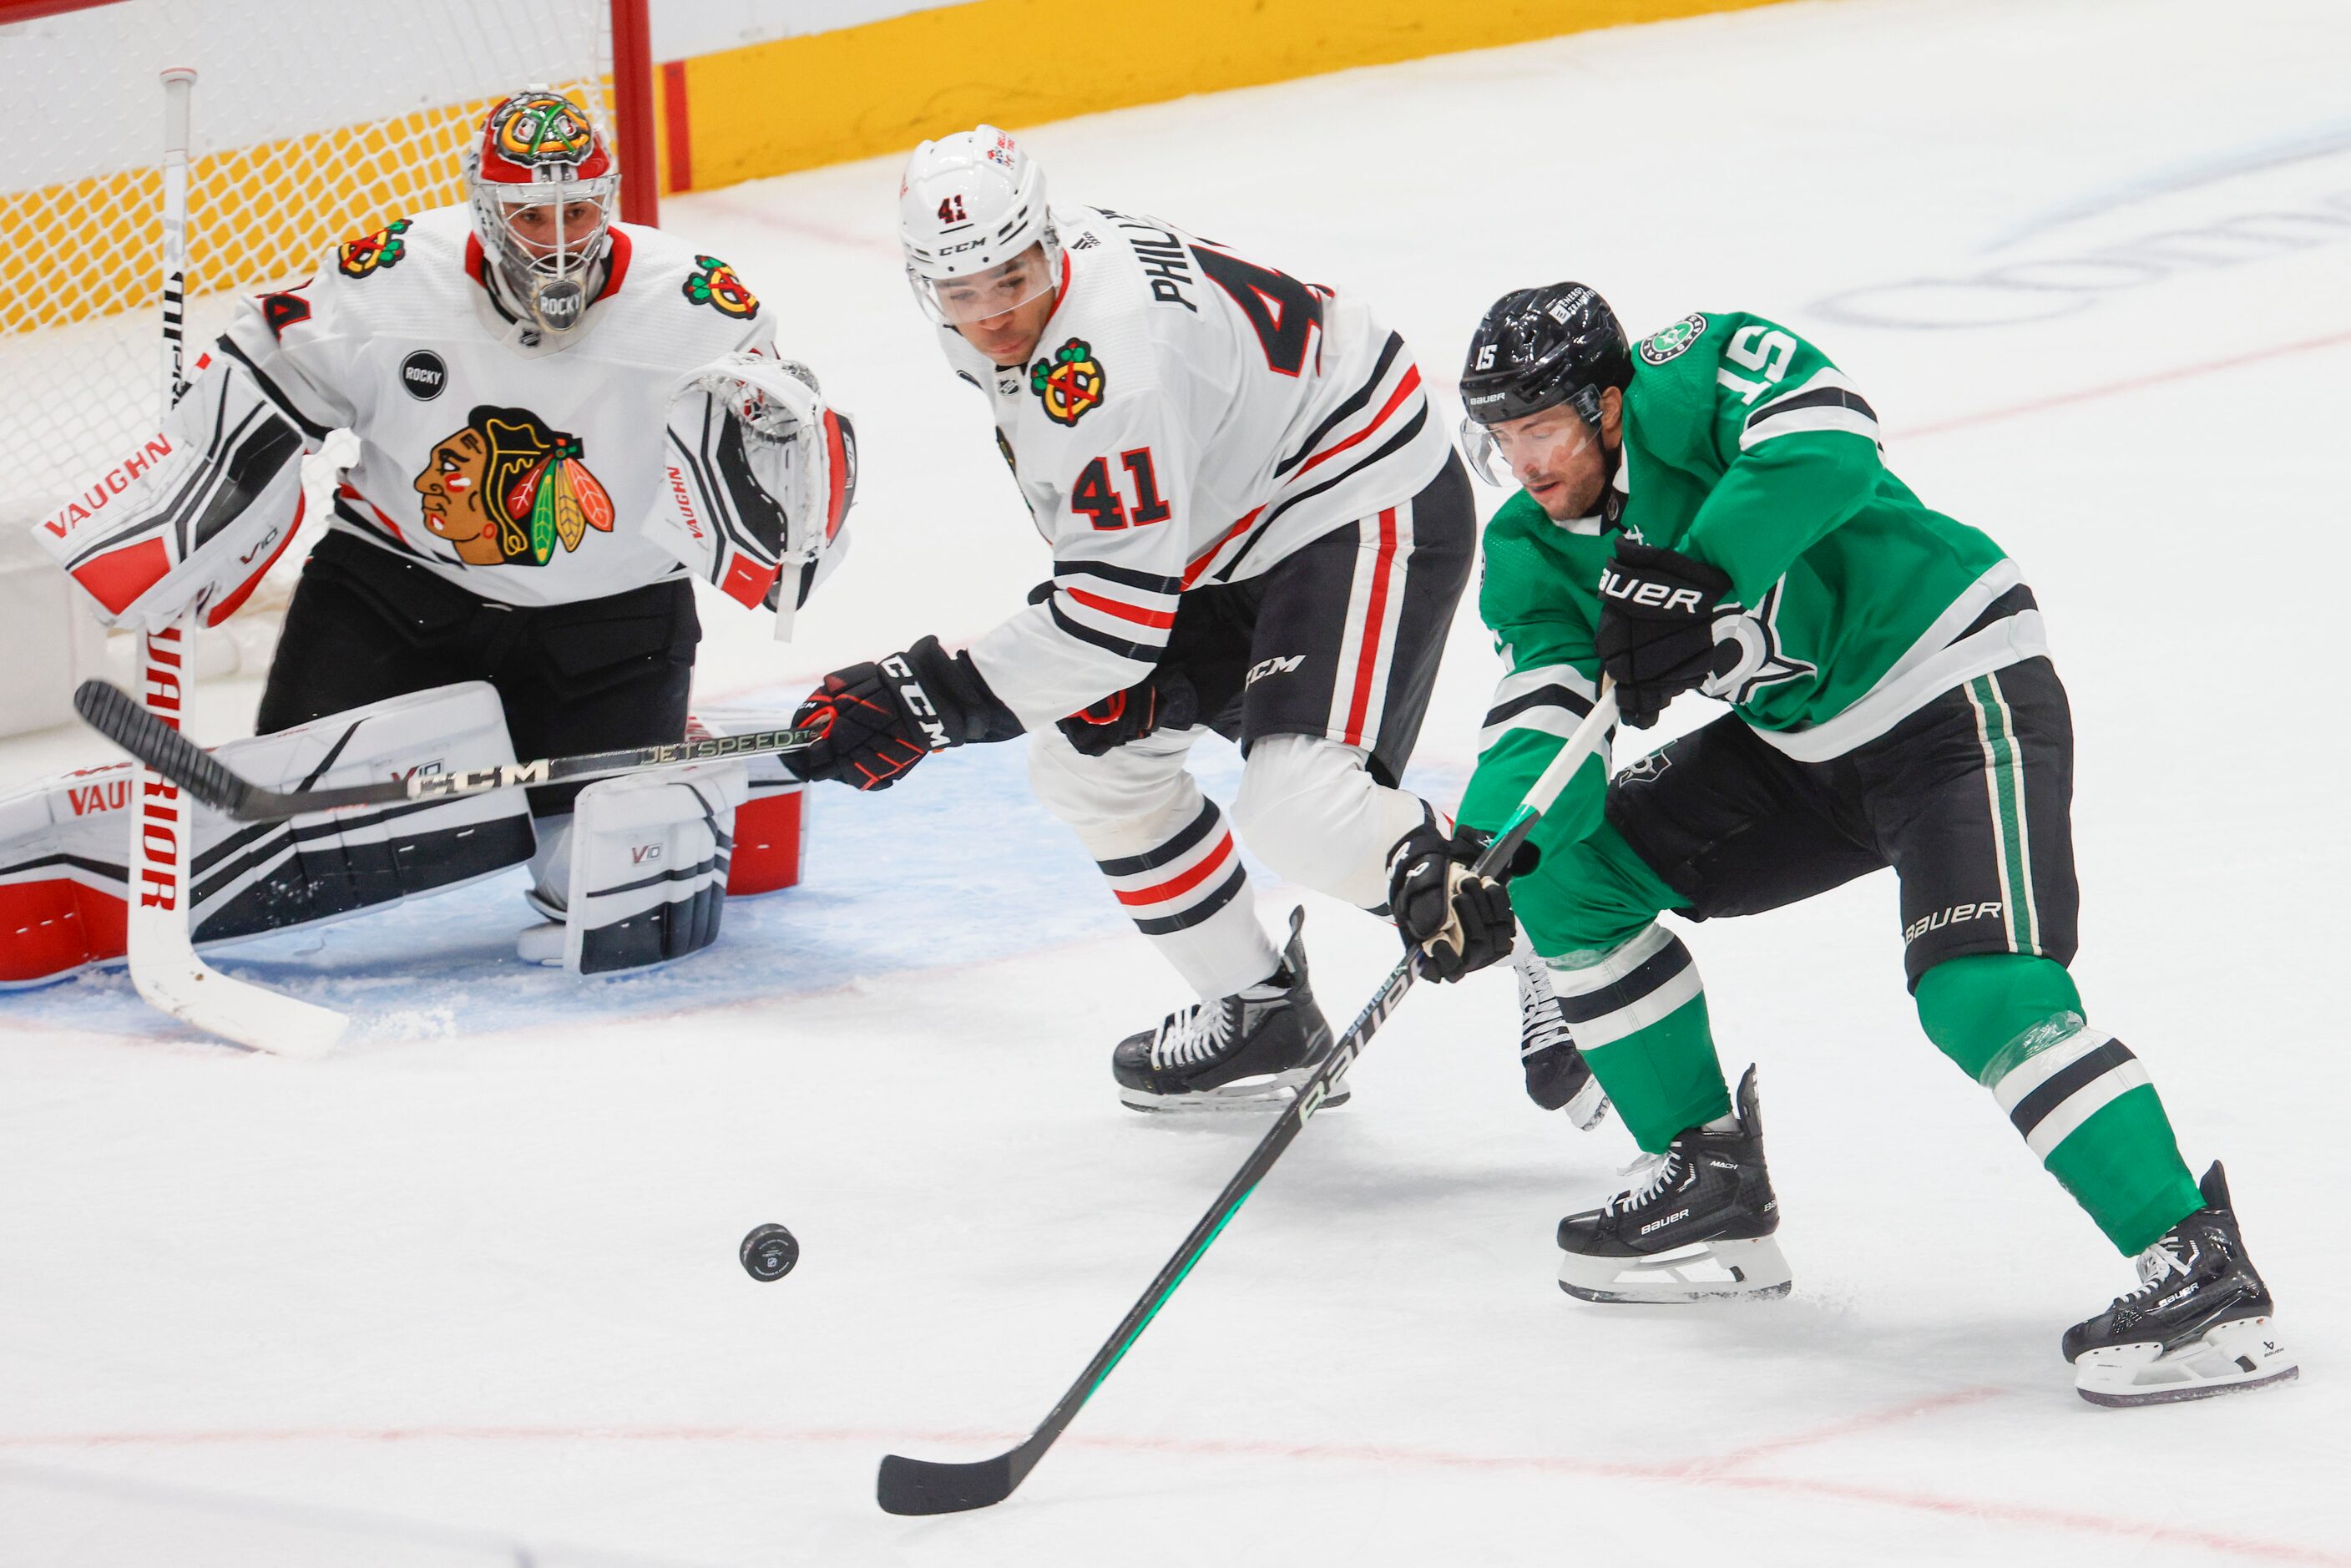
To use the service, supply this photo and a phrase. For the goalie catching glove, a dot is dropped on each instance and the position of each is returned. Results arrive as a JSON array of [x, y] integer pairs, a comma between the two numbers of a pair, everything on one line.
[[879, 719], [1460, 921], [762, 474]]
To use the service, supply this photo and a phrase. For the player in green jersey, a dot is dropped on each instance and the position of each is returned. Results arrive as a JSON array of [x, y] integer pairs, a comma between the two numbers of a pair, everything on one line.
[[1710, 510]]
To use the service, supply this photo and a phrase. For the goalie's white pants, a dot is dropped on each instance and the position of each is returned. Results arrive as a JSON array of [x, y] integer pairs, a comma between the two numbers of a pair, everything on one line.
[[1307, 807]]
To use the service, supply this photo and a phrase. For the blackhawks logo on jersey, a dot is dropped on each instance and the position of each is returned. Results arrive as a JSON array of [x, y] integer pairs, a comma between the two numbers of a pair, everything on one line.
[[1069, 383], [1659, 347], [717, 286], [505, 490], [373, 253]]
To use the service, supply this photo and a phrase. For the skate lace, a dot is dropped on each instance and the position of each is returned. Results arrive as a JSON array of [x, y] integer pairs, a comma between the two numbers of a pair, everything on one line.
[[1196, 1034], [1651, 1174], [1542, 1024], [2157, 1266]]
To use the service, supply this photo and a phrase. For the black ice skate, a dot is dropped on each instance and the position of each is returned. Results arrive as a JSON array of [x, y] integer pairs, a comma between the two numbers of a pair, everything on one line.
[[1696, 1227], [1243, 1052], [2198, 1325], [1557, 1075]]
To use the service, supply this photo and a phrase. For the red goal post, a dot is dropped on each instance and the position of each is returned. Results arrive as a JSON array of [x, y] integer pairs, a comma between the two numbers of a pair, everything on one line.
[[314, 122]]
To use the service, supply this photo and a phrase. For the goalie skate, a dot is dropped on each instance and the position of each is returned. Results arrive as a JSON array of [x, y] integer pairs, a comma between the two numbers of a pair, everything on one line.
[[1695, 1224], [2199, 1325]]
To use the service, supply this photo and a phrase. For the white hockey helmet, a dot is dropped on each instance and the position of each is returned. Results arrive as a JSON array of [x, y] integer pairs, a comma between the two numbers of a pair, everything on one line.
[[971, 205], [539, 156]]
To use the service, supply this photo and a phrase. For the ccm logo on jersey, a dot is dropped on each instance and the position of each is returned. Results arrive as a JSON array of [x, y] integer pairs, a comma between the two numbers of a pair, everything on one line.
[[918, 702], [1655, 594], [1265, 667], [1989, 910]]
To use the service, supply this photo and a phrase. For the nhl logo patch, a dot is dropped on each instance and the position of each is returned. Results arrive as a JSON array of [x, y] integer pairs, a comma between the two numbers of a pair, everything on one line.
[[1660, 347], [1071, 385]]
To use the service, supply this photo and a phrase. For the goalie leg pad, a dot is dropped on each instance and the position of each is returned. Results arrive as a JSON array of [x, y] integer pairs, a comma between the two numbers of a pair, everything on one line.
[[771, 824], [645, 880], [62, 878]]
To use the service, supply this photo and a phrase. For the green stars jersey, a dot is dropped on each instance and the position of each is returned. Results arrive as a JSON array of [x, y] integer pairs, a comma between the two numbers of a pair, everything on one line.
[[1746, 448]]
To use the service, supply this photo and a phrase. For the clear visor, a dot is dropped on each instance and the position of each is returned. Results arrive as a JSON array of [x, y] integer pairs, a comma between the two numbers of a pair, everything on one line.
[[982, 296], [1547, 442]]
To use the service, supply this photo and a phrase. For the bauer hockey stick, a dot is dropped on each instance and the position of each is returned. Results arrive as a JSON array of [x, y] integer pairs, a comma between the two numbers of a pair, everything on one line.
[[122, 719], [923, 1486], [159, 895]]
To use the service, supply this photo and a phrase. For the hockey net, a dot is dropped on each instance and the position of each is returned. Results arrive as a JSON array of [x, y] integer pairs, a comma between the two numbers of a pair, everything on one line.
[[313, 122]]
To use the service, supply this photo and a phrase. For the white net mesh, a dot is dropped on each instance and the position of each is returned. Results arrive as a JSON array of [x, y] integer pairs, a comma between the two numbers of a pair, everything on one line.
[[313, 122]]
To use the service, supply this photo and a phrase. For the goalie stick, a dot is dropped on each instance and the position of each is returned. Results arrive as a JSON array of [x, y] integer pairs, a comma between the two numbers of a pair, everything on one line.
[[122, 719], [923, 1485], [158, 901]]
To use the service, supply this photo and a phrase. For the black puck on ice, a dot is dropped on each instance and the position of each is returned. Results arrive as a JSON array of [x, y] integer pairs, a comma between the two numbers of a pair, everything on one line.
[[769, 1252]]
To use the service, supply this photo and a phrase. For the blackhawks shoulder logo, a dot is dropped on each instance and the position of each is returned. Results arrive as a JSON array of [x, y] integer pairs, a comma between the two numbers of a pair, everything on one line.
[[716, 285], [1659, 347], [373, 253], [1069, 383], [505, 490]]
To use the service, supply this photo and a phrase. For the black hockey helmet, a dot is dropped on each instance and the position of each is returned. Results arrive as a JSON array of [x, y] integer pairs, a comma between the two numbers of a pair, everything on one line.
[[1537, 348]]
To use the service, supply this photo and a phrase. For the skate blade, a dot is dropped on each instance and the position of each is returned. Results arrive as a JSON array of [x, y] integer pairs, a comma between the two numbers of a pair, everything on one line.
[[1244, 1094], [2233, 1358], [1752, 1270]]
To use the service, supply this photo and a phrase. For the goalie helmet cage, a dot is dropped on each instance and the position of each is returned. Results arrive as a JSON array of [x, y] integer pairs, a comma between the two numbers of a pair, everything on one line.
[[314, 121]]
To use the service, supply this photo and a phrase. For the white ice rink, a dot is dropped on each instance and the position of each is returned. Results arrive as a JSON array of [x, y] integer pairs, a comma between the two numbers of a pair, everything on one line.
[[467, 1293]]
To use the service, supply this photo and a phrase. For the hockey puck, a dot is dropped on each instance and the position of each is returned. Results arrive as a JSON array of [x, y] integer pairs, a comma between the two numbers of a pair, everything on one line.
[[769, 1252]]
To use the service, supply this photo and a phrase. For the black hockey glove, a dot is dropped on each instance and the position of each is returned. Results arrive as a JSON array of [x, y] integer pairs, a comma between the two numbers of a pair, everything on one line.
[[1163, 699], [1656, 628], [882, 718], [1461, 921]]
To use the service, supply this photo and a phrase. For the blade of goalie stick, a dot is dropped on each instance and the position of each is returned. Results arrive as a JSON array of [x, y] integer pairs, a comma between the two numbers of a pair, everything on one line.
[[923, 1487], [158, 898], [119, 717]]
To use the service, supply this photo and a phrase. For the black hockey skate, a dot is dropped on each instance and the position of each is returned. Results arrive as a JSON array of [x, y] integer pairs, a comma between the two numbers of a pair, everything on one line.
[[2198, 1325], [1243, 1052], [1557, 1075], [1696, 1227]]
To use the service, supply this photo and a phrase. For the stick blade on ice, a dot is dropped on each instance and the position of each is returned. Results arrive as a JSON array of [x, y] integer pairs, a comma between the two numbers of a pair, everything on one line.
[[918, 1486]]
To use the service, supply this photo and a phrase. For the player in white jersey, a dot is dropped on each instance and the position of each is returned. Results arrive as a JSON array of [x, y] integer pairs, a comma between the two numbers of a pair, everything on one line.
[[1255, 527], [560, 419]]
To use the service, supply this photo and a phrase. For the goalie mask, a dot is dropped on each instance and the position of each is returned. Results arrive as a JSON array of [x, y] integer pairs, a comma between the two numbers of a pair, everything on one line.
[[544, 187]]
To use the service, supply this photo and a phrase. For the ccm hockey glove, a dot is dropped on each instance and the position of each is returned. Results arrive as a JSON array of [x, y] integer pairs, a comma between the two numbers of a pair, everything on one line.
[[1162, 700], [1461, 921], [880, 719], [1655, 638]]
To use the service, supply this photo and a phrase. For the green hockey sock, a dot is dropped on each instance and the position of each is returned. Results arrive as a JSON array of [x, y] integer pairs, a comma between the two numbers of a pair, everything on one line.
[[1638, 1013], [2079, 1098]]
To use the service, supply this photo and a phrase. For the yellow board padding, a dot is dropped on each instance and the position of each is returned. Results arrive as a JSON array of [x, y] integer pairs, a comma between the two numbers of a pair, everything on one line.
[[826, 97], [256, 215]]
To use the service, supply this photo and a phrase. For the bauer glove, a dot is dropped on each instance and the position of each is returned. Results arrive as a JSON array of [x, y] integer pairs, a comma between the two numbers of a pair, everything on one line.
[[1655, 638], [880, 719], [1460, 921]]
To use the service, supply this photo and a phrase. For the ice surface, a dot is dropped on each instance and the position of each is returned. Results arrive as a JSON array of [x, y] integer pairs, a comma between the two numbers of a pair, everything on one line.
[[468, 1293]]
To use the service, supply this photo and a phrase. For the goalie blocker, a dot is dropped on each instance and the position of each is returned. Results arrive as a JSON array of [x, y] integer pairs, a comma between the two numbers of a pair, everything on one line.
[[62, 840]]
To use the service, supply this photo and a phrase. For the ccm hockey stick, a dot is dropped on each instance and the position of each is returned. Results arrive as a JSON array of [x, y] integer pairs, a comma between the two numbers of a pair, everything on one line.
[[922, 1486], [115, 715], [158, 898]]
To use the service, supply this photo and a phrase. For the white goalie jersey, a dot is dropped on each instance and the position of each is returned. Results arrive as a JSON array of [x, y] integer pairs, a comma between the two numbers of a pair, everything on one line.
[[1190, 418], [527, 473]]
